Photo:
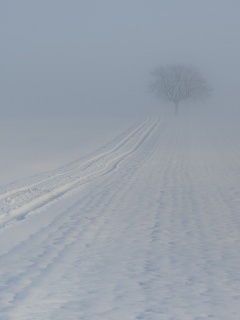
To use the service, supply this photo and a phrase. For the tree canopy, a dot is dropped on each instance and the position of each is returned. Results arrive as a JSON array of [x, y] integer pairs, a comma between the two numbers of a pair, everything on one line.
[[176, 83]]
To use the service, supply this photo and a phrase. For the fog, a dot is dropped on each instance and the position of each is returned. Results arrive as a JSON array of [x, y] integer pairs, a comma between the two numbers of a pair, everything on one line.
[[75, 57]]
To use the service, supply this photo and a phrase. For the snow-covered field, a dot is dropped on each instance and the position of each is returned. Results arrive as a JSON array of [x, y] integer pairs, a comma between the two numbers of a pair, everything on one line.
[[146, 227]]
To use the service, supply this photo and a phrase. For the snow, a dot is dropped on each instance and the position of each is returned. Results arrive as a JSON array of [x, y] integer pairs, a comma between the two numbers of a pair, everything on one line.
[[146, 227]]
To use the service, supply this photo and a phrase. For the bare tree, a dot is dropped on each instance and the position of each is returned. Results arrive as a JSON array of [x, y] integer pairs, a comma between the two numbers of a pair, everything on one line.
[[176, 83]]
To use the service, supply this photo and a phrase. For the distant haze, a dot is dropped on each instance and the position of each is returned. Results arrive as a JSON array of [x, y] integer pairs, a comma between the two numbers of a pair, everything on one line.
[[74, 57]]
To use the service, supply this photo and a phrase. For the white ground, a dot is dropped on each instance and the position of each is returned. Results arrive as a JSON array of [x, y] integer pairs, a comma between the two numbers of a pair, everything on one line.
[[145, 228]]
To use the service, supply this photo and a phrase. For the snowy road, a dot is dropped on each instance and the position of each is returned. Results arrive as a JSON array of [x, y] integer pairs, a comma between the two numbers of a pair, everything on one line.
[[148, 227]]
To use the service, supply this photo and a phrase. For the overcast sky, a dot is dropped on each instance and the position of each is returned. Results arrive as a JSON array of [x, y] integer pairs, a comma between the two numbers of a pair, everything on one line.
[[69, 57]]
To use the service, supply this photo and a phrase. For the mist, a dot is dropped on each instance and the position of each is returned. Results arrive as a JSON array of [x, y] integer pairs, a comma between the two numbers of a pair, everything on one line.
[[73, 58]]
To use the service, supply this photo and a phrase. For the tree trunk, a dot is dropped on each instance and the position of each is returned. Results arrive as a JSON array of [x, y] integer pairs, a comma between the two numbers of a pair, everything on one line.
[[176, 109]]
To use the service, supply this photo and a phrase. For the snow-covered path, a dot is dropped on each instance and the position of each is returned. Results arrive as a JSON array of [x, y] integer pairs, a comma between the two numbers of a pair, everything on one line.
[[146, 228]]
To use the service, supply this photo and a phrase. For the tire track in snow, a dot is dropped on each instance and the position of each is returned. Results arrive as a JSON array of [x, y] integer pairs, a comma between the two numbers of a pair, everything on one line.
[[48, 192], [66, 172]]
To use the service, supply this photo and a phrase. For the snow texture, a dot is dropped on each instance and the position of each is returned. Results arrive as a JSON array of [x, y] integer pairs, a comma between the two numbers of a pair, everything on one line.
[[146, 227]]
